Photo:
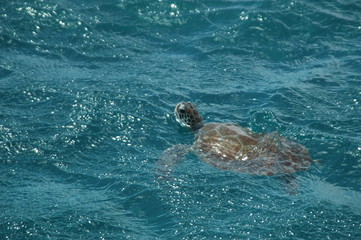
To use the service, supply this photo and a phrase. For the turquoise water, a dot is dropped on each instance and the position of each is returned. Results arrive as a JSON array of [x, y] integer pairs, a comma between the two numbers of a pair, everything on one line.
[[87, 90]]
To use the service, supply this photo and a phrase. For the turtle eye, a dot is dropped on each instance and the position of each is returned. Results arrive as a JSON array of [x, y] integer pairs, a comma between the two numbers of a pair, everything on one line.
[[182, 111]]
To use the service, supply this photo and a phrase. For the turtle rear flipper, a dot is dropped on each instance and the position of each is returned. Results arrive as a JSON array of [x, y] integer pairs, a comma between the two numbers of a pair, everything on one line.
[[170, 157], [290, 183]]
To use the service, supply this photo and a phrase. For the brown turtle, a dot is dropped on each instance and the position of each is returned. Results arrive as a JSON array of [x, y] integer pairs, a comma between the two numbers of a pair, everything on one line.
[[231, 147]]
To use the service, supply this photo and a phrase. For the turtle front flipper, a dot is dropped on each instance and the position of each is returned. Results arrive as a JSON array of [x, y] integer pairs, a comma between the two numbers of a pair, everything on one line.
[[170, 158]]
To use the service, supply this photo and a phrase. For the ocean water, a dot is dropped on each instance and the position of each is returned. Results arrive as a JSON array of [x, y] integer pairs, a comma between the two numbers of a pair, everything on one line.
[[87, 91]]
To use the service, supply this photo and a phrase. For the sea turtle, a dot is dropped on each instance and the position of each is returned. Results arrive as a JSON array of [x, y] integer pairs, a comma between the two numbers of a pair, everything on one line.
[[231, 147]]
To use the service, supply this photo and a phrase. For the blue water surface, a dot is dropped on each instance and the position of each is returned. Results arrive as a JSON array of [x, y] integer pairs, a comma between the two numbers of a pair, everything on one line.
[[87, 90]]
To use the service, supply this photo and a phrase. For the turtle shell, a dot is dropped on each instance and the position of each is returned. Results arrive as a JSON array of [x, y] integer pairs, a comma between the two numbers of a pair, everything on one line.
[[229, 146]]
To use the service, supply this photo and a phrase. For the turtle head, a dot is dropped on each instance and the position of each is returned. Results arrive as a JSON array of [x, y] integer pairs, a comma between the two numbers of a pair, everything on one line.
[[187, 115]]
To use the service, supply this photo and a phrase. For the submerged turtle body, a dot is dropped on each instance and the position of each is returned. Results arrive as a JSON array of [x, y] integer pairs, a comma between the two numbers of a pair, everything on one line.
[[231, 147]]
